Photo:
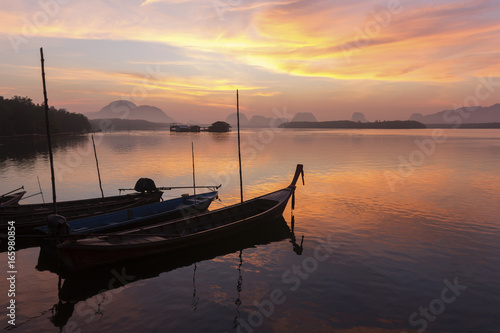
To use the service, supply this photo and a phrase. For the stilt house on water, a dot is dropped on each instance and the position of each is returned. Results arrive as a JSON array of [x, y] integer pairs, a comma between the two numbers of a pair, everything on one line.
[[219, 126]]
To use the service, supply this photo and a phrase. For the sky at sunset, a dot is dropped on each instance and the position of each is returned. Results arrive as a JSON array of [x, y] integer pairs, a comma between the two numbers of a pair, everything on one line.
[[384, 58]]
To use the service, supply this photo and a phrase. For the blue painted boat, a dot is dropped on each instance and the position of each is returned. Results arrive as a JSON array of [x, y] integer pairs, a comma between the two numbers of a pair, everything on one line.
[[139, 216]]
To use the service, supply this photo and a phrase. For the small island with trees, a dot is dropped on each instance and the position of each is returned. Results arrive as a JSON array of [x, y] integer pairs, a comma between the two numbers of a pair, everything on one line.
[[348, 124], [20, 116]]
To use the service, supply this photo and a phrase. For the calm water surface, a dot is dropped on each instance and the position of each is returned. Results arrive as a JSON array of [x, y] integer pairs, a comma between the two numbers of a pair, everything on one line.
[[401, 234]]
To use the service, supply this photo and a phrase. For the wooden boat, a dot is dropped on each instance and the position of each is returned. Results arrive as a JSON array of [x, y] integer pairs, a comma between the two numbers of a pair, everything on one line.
[[30, 216], [140, 216], [177, 234], [11, 199]]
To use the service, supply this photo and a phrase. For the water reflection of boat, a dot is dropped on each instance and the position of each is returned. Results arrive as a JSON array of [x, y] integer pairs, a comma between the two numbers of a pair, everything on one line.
[[177, 234], [79, 286], [86, 283]]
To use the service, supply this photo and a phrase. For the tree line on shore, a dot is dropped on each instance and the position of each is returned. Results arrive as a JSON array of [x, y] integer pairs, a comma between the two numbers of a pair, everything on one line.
[[20, 116]]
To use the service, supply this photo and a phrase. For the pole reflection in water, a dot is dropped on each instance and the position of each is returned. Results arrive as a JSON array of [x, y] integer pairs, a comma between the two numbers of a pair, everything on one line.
[[196, 300], [238, 289], [62, 311]]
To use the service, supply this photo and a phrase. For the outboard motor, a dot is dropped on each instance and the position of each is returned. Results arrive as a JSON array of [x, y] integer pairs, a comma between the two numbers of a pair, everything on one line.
[[58, 226], [145, 185]]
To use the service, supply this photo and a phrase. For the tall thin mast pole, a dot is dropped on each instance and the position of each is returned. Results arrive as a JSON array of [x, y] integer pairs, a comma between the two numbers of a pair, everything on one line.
[[51, 158], [239, 142], [40, 187], [98, 172], [194, 180]]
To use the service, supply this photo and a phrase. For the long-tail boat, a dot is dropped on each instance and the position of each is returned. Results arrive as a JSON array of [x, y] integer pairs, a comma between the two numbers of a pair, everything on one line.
[[177, 234]]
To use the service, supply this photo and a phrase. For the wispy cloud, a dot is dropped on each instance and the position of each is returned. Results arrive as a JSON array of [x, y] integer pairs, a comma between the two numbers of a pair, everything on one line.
[[308, 38]]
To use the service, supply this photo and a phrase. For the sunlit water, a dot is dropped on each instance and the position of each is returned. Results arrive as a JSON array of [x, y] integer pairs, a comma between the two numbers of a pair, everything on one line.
[[401, 233]]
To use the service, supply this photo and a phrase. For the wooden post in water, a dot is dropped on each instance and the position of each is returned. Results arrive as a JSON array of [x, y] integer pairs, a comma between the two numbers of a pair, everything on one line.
[[51, 157], [239, 142]]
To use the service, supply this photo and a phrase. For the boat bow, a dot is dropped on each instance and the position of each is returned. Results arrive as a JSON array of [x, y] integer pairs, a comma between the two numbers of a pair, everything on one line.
[[298, 172]]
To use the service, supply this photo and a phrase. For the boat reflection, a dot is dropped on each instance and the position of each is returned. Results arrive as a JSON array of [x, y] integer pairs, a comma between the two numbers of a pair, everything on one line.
[[296, 247], [22, 242], [78, 286]]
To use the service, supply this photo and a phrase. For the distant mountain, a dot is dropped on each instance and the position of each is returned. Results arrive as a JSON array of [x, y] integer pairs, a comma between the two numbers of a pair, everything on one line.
[[472, 115], [152, 113], [232, 120], [304, 116], [127, 110], [358, 116]]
